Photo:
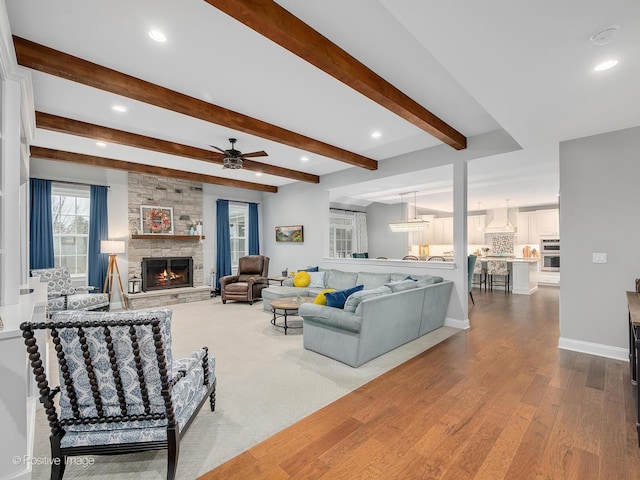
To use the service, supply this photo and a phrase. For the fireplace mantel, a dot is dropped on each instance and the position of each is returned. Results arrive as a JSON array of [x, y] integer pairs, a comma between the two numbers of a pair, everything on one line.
[[156, 236]]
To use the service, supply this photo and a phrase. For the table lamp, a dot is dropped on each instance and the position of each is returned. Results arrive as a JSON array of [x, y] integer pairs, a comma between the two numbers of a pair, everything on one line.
[[112, 248]]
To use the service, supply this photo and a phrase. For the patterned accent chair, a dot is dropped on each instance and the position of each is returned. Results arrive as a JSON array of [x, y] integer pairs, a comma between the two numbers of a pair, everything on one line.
[[498, 268], [63, 296], [248, 284], [480, 272], [121, 390]]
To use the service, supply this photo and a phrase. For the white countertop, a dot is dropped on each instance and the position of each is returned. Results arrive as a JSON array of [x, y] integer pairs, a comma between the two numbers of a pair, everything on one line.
[[14, 315], [511, 259]]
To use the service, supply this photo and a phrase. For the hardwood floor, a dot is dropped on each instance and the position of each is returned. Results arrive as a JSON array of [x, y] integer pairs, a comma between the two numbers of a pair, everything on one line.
[[499, 401]]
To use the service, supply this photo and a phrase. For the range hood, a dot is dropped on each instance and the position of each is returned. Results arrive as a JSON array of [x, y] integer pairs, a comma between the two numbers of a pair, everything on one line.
[[500, 222]]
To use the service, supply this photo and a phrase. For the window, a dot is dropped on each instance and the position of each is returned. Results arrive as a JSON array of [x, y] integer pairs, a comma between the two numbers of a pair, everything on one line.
[[70, 212], [238, 219], [340, 235]]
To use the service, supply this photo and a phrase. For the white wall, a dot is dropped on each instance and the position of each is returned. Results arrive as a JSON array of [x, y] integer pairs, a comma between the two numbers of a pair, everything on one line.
[[599, 212]]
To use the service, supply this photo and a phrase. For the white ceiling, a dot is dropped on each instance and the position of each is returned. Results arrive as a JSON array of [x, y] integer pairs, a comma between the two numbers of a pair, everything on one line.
[[480, 66]]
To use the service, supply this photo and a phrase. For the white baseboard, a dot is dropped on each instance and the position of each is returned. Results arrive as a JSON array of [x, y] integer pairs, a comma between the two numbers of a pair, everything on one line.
[[452, 322], [598, 349]]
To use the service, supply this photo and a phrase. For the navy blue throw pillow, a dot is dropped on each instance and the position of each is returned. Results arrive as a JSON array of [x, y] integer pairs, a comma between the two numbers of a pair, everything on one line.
[[338, 298], [311, 269]]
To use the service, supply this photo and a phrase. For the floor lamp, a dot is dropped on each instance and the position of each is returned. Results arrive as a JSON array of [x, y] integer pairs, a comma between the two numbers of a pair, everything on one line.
[[113, 247]]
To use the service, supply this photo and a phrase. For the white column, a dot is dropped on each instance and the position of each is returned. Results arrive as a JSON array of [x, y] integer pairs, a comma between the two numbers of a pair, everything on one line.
[[460, 237], [10, 191]]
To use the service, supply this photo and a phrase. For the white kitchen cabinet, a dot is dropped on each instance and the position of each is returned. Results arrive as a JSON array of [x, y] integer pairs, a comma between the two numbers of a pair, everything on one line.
[[548, 222], [425, 236], [475, 229], [528, 228], [443, 231]]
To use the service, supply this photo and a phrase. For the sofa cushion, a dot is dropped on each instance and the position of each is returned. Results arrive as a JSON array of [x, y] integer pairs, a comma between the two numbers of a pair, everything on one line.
[[339, 297], [340, 280], [398, 277], [320, 298], [355, 298], [372, 280], [401, 285], [275, 292], [332, 317], [317, 280], [302, 279], [428, 280]]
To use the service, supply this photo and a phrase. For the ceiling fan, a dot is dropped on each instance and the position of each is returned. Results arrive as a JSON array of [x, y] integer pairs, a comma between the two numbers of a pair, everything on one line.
[[233, 158]]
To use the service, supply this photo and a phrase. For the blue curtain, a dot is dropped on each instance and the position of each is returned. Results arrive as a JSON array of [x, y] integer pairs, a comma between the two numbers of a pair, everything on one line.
[[223, 249], [41, 225], [254, 237], [98, 230]]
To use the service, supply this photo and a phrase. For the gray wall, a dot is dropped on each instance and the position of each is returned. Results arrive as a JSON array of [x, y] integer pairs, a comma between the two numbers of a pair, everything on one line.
[[383, 242], [599, 212]]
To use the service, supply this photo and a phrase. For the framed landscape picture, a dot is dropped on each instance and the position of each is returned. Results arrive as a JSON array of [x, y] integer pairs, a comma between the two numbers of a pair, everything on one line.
[[291, 233], [156, 220]]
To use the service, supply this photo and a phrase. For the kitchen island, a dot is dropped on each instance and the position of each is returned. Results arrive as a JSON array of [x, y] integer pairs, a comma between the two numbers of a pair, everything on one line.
[[524, 273]]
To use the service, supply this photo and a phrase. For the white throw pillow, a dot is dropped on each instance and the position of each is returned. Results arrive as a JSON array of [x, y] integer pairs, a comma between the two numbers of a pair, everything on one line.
[[317, 280]]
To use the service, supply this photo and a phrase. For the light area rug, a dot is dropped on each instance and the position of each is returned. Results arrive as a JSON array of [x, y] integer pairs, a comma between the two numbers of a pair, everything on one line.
[[266, 382]]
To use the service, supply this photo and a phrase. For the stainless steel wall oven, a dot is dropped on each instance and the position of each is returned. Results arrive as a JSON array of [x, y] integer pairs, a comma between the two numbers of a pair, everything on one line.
[[550, 254]]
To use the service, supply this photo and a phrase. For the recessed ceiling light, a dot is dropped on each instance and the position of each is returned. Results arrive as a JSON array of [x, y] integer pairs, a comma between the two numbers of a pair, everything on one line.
[[304, 159], [606, 65], [376, 134], [119, 108], [157, 36], [101, 144], [258, 174]]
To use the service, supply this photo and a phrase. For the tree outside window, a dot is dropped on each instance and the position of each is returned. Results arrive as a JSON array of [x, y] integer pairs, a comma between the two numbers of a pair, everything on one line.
[[70, 211], [238, 220]]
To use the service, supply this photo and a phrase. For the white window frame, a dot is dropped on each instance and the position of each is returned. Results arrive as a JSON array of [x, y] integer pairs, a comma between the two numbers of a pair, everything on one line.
[[237, 237], [338, 221], [74, 191]]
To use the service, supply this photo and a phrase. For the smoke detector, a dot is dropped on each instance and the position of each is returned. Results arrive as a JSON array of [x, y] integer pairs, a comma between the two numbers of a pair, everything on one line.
[[604, 36]]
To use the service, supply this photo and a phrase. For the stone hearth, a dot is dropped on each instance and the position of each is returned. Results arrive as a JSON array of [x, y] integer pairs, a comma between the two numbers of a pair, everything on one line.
[[163, 298]]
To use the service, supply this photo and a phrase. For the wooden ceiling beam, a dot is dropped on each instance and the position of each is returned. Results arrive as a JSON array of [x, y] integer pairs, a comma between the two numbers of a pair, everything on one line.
[[93, 161], [47, 60], [278, 25], [88, 130]]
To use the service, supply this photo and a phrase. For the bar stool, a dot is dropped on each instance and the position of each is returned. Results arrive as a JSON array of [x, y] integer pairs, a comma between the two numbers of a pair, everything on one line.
[[498, 268], [481, 274]]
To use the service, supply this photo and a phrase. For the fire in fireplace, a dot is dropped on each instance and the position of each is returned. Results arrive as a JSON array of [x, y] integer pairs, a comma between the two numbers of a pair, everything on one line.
[[166, 272]]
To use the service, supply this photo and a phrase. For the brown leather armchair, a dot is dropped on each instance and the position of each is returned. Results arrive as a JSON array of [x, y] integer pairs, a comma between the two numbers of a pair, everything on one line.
[[247, 285]]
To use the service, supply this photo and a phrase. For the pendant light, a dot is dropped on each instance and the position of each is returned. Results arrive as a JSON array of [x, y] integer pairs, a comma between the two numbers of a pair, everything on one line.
[[509, 226], [409, 225]]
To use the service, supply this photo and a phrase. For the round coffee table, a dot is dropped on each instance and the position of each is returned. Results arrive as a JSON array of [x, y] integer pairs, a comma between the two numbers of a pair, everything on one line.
[[285, 307]]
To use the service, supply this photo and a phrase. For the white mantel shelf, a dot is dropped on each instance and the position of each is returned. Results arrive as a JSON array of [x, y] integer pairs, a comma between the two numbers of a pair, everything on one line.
[[155, 236]]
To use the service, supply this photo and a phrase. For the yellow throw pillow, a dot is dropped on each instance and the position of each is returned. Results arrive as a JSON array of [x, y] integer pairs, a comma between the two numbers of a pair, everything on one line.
[[302, 279], [320, 298]]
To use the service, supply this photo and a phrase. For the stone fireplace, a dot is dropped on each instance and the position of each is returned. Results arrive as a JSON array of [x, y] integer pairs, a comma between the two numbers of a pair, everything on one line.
[[160, 273], [185, 199]]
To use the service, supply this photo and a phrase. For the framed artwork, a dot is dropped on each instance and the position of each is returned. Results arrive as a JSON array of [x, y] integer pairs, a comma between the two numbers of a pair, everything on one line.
[[156, 220], [290, 233]]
